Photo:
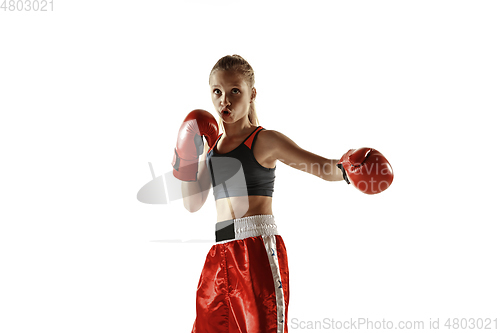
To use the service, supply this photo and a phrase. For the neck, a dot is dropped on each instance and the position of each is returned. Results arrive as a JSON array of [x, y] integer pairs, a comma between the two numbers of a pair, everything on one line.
[[236, 129]]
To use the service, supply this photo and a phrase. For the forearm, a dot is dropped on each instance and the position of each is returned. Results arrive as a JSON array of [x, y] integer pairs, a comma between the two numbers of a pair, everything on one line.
[[194, 193], [328, 170]]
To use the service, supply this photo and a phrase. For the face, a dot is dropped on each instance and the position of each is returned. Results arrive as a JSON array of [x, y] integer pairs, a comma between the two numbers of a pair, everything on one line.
[[231, 96]]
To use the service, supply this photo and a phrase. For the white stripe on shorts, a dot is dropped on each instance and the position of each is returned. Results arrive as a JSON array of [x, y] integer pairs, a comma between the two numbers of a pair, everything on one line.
[[272, 254]]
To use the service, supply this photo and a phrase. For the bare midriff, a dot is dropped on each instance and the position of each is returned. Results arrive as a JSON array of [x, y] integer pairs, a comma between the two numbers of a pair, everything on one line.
[[237, 207]]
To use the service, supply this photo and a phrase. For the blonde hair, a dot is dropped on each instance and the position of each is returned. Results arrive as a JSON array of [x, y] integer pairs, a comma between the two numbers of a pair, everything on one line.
[[238, 64]]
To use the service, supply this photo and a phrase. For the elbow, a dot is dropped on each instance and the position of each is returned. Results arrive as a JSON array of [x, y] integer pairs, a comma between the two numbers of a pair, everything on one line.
[[190, 207], [192, 210], [194, 203]]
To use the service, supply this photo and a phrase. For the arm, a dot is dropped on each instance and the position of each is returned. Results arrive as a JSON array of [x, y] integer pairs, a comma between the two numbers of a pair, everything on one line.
[[195, 193], [188, 167], [285, 150]]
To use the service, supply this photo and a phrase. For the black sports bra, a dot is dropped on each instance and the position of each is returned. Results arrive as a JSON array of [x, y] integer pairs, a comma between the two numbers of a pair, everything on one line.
[[237, 173]]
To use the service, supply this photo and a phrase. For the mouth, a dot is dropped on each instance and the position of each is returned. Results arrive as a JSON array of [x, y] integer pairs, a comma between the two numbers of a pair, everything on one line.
[[225, 112]]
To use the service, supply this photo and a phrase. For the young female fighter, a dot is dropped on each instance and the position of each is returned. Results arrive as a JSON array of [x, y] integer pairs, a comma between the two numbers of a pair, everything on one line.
[[244, 283]]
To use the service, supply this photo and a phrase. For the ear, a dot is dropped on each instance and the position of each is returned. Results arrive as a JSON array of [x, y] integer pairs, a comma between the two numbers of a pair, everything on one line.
[[254, 95]]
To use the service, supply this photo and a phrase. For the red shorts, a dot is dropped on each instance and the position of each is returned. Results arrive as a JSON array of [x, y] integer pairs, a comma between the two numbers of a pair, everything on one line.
[[244, 283]]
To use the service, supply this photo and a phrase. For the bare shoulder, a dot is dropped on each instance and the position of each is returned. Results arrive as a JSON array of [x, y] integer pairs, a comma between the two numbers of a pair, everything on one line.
[[272, 136], [275, 139], [274, 146]]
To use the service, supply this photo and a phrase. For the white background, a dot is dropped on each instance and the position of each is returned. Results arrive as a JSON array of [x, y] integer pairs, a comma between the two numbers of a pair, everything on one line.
[[93, 91]]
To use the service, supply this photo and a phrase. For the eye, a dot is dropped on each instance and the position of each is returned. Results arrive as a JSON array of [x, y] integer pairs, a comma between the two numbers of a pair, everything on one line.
[[235, 91], [217, 91]]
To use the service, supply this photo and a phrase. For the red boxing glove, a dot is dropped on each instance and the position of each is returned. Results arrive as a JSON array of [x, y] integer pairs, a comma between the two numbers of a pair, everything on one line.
[[190, 144], [367, 169]]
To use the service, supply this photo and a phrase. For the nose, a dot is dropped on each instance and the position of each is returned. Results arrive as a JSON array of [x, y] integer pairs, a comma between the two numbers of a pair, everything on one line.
[[225, 101]]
